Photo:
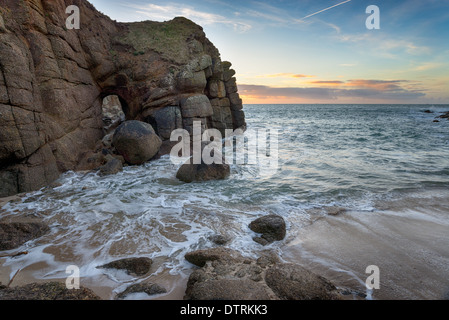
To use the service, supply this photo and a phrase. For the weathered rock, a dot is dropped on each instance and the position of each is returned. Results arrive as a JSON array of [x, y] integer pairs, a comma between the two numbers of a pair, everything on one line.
[[112, 166], [137, 266], [191, 81], [189, 172], [148, 288], [334, 210], [216, 89], [231, 85], [219, 239], [272, 228], [14, 234], [293, 282], [226, 275], [136, 141], [47, 291], [197, 106], [227, 289], [166, 120], [200, 257], [238, 117]]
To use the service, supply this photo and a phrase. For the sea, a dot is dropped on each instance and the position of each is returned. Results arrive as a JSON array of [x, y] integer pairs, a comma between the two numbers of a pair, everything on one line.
[[384, 167]]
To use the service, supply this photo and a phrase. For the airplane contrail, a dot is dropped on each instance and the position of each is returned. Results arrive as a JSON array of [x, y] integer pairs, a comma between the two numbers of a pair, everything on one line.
[[338, 4]]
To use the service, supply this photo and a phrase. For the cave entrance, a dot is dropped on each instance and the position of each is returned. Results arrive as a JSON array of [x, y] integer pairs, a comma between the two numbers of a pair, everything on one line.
[[113, 112]]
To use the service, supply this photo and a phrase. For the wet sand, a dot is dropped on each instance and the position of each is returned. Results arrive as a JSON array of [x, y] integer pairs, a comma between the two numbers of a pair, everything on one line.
[[411, 249]]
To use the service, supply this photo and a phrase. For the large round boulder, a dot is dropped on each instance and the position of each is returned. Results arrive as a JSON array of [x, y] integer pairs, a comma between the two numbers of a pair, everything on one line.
[[271, 227], [136, 141], [189, 172]]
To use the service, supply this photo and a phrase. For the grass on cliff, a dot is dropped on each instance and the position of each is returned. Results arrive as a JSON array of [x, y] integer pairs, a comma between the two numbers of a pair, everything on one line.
[[166, 38]]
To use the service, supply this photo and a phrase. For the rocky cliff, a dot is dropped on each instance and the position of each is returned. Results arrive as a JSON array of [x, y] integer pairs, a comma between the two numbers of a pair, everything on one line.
[[53, 81]]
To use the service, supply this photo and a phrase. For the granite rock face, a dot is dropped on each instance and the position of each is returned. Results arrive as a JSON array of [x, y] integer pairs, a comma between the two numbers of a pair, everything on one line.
[[53, 81]]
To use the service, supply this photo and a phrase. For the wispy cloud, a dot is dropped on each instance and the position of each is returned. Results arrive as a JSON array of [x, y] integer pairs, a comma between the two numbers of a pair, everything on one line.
[[427, 66], [284, 75], [167, 12]]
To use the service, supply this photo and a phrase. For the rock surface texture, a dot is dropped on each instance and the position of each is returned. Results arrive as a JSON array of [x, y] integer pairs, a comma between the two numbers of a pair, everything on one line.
[[226, 275], [53, 81]]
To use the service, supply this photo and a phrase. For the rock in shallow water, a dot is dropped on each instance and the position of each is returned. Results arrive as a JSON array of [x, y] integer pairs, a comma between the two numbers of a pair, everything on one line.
[[47, 291], [148, 288], [202, 172], [14, 234], [137, 266], [272, 228], [136, 141], [293, 282]]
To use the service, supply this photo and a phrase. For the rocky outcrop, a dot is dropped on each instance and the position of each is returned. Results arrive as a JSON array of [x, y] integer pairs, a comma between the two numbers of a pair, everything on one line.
[[226, 275], [46, 291], [444, 115], [14, 234], [53, 81]]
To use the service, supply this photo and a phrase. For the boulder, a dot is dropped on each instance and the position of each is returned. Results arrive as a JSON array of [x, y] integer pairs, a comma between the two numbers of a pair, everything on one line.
[[47, 291], [14, 234], [225, 274], [196, 106], [148, 288], [272, 228], [166, 120], [136, 141], [136, 266], [293, 282], [189, 172], [227, 289], [190, 81], [200, 257]]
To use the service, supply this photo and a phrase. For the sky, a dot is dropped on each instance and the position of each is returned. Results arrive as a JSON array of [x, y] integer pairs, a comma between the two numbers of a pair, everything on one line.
[[319, 51]]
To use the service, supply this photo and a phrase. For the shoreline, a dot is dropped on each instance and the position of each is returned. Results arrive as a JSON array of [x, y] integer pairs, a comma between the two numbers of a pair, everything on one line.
[[407, 245]]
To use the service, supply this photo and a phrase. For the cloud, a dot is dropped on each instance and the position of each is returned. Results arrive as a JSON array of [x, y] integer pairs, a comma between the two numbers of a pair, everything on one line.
[[360, 89], [167, 12], [331, 82], [427, 66], [285, 75]]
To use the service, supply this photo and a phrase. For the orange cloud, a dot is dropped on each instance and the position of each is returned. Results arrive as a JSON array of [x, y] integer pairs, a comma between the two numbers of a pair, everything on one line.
[[328, 82], [285, 75]]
